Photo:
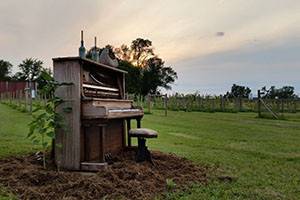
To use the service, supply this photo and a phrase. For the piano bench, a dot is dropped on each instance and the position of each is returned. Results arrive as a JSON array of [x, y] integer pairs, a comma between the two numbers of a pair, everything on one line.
[[141, 134]]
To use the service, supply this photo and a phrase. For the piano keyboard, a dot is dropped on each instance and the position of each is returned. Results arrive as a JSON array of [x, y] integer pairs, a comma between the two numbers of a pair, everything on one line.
[[100, 87], [123, 110]]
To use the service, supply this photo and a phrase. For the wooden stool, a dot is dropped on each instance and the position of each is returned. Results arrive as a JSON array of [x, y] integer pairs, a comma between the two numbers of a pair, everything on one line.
[[141, 134]]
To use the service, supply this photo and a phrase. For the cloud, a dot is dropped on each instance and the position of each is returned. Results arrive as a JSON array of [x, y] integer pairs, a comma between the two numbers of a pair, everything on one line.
[[220, 34], [195, 30], [254, 66]]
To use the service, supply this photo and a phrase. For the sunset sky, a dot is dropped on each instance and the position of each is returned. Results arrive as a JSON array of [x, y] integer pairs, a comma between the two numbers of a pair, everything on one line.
[[210, 43]]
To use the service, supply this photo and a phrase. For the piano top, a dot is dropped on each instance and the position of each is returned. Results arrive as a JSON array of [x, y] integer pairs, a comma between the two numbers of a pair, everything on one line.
[[88, 61]]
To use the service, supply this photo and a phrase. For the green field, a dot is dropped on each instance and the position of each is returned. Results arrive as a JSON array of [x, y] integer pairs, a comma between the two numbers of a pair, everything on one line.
[[261, 155]]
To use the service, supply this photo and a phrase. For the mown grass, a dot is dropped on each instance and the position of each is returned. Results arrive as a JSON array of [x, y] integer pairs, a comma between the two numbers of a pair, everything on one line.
[[261, 155], [13, 132]]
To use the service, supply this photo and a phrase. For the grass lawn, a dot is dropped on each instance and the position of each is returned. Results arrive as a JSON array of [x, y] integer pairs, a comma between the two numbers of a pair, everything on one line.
[[13, 132], [262, 155]]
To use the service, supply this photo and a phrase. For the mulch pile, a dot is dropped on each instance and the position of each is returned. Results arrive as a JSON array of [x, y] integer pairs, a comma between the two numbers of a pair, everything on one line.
[[124, 179]]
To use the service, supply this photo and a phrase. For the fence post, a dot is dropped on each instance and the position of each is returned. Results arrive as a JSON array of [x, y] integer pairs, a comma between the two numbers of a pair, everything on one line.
[[240, 104], [258, 103], [222, 103], [26, 97], [166, 104], [30, 97], [149, 102], [213, 105], [19, 98], [277, 105], [13, 97]]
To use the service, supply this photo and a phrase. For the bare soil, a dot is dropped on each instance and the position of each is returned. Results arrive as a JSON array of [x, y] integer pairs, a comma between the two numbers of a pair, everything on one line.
[[124, 179]]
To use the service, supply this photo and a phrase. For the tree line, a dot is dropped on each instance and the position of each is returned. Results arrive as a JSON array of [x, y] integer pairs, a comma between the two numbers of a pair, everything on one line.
[[30, 69], [147, 72], [285, 92]]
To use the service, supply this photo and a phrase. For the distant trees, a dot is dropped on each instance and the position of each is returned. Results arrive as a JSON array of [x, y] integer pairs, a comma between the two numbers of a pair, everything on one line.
[[238, 91], [286, 92], [30, 69], [5, 70]]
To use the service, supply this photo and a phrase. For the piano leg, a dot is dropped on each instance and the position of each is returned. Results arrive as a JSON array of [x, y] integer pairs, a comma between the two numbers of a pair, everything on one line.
[[102, 130], [53, 149], [138, 122], [128, 129]]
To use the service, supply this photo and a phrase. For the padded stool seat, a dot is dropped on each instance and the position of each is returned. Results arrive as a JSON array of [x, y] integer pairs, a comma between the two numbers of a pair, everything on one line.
[[143, 132]]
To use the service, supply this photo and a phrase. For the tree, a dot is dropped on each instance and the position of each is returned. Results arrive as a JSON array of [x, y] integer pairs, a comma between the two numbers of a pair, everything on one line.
[[30, 69], [139, 52], [156, 75], [147, 80], [142, 50], [44, 78], [133, 78], [5, 70], [238, 91], [18, 76], [282, 93], [123, 53]]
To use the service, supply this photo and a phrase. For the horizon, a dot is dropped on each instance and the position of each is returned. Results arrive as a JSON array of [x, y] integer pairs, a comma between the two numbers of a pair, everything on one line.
[[210, 44]]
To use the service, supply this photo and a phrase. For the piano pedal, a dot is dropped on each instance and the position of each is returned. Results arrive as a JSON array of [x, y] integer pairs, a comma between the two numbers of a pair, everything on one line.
[[108, 158]]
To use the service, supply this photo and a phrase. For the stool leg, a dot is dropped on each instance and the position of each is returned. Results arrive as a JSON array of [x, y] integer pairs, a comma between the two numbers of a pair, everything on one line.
[[138, 122], [141, 153]]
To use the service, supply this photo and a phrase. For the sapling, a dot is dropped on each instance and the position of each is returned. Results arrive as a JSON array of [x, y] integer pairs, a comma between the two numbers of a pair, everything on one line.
[[45, 118]]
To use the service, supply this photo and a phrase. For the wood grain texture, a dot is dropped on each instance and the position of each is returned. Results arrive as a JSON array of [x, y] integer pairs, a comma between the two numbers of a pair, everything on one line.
[[67, 148], [94, 140], [113, 137]]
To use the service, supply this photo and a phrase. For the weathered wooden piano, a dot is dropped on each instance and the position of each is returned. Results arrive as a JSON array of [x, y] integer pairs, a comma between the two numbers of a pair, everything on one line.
[[100, 115]]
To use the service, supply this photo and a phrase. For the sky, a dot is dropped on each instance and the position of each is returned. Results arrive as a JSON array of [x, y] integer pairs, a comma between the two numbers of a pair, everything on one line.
[[210, 43]]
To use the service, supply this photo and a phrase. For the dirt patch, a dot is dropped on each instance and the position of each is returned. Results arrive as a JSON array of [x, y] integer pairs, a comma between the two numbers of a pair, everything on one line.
[[124, 179]]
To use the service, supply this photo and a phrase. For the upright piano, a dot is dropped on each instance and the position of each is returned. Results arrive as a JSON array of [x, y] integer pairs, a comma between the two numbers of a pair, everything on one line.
[[99, 116]]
